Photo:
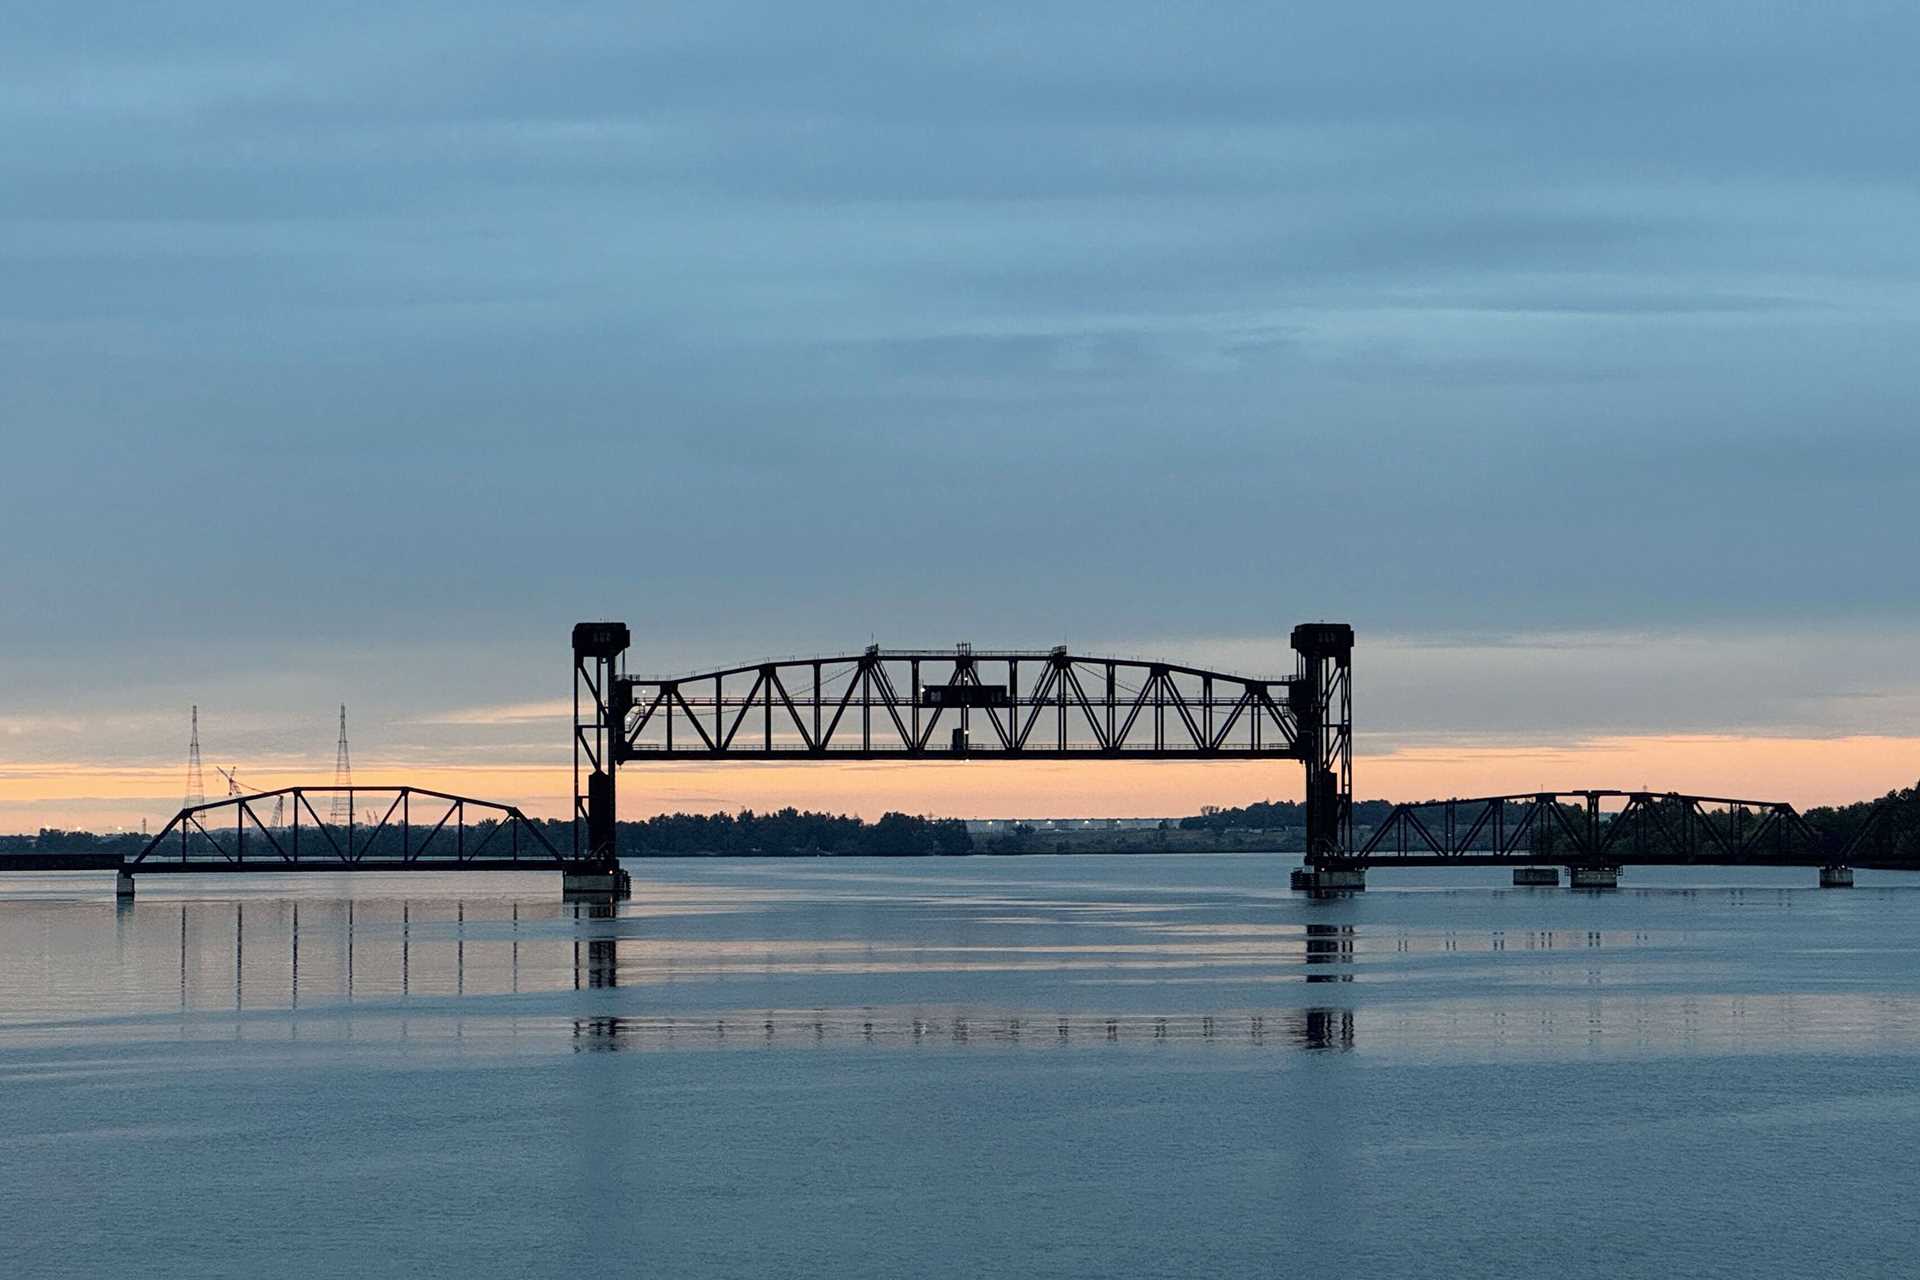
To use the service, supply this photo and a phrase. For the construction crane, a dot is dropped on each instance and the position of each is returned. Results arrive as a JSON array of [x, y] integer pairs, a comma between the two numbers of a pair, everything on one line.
[[234, 789]]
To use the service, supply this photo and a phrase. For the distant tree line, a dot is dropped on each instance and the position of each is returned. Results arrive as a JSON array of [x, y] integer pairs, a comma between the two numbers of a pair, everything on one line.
[[785, 833], [1277, 815], [1896, 836], [56, 840], [793, 832]]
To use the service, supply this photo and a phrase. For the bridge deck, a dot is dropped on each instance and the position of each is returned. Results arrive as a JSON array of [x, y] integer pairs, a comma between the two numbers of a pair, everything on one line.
[[59, 862], [334, 867]]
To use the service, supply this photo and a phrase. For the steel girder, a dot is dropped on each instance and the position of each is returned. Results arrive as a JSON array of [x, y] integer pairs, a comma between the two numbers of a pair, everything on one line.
[[1579, 827], [961, 704], [445, 837], [888, 704]]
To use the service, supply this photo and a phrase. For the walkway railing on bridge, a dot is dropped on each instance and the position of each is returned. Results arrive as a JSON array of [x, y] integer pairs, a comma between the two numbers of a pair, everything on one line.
[[1612, 828], [413, 828]]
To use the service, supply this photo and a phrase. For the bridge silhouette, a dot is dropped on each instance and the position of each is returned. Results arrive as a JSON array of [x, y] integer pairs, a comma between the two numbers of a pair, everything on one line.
[[214, 837], [1013, 705]]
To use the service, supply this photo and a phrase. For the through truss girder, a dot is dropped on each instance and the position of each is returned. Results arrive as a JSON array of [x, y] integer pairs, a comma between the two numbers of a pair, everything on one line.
[[885, 704], [963, 703], [1602, 827], [415, 827]]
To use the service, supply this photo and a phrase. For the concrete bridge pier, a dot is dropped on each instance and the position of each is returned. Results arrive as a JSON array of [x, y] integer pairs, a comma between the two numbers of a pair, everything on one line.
[[123, 886], [1328, 882], [1836, 877], [1593, 877], [596, 884], [1536, 877]]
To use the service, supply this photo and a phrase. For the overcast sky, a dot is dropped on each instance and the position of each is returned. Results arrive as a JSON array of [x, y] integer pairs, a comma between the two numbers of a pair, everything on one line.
[[354, 352]]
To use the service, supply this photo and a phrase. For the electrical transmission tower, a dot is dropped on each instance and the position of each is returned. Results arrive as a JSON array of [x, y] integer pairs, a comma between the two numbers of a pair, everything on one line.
[[342, 775], [196, 778]]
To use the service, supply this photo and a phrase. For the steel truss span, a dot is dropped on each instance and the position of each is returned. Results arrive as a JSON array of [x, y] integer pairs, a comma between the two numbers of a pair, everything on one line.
[[964, 704], [884, 704], [414, 829], [1609, 828]]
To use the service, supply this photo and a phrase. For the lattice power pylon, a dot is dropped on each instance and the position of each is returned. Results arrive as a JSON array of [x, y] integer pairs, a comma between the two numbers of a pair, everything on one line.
[[342, 807], [196, 776]]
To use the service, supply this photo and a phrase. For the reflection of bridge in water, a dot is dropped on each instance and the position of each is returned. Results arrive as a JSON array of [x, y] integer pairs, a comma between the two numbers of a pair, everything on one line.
[[254, 953], [323, 968], [273, 953], [323, 957], [1308, 1028]]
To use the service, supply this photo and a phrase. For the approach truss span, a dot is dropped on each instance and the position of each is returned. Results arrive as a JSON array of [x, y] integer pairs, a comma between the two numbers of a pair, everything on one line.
[[1612, 828], [387, 828]]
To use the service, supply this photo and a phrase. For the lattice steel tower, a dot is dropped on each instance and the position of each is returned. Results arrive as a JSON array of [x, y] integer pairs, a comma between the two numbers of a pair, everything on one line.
[[342, 776], [196, 777]]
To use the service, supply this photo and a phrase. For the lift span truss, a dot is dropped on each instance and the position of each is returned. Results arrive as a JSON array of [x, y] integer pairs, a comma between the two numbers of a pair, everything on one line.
[[880, 704], [963, 703], [450, 832], [1616, 828]]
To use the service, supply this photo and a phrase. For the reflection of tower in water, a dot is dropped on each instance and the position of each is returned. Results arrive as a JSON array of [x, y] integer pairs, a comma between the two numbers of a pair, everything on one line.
[[1329, 944], [600, 968], [302, 955], [1321, 1028]]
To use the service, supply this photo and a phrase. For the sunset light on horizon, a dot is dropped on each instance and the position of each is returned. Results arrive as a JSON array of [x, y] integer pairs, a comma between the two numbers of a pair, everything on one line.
[[1805, 772]]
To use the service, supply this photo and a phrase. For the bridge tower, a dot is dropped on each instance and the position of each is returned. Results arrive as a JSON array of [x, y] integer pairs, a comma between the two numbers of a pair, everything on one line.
[[597, 740], [1320, 695]]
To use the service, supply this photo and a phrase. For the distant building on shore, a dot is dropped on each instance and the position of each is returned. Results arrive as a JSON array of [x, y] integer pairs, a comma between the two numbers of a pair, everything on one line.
[[1004, 826]]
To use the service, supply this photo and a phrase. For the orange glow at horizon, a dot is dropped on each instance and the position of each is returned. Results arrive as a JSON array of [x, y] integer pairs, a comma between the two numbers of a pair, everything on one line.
[[1803, 771]]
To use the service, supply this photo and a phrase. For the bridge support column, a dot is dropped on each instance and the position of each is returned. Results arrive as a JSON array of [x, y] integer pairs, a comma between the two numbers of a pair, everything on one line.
[[1536, 877], [596, 883], [1836, 877], [123, 885], [1593, 877], [1320, 695], [1328, 882]]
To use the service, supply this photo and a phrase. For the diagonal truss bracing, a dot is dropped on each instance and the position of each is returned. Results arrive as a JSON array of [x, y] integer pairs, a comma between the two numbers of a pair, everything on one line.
[[959, 704], [882, 704], [414, 828], [1616, 828]]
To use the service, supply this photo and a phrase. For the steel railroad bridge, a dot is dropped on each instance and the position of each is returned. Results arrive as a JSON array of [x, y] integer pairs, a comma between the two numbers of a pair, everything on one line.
[[1013, 705], [965, 704], [1596, 833], [417, 829]]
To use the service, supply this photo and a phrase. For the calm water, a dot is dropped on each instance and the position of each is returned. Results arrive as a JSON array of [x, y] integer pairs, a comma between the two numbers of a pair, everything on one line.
[[1036, 1067]]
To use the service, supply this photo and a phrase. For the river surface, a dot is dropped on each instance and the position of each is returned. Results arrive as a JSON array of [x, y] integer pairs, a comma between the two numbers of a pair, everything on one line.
[[1073, 1066]]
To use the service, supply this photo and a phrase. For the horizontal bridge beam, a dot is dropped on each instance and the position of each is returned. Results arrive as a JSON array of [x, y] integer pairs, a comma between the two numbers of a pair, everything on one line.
[[209, 867], [981, 751]]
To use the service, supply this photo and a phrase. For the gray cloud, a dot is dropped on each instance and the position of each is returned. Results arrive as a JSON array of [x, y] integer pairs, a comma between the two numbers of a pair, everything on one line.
[[431, 329]]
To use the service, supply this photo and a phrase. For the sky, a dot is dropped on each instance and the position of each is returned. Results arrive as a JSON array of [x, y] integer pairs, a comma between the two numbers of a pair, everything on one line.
[[351, 353]]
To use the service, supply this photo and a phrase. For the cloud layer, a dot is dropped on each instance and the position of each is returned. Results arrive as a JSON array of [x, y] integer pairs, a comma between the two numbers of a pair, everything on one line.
[[354, 354]]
